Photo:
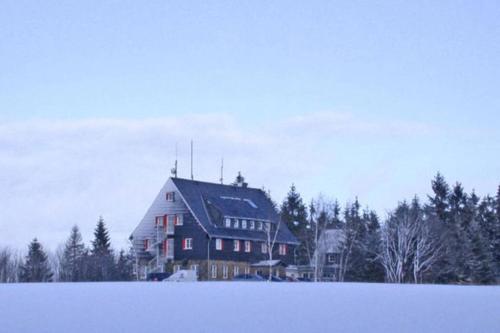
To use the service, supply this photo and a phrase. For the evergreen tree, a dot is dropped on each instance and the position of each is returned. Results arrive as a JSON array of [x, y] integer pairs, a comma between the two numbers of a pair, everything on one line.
[[36, 267], [437, 211], [356, 232], [72, 259], [103, 266], [294, 215], [124, 266], [373, 270]]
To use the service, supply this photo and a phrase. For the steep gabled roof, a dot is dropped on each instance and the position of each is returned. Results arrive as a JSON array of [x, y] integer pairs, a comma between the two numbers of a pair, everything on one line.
[[234, 201]]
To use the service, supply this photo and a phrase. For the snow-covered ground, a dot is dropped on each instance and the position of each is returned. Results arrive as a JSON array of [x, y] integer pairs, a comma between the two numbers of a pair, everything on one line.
[[247, 307]]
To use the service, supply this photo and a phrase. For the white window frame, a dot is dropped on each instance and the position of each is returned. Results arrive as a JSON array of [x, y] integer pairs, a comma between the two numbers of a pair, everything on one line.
[[236, 246], [252, 224], [213, 271], [218, 244], [263, 248], [247, 270], [170, 196], [228, 222], [236, 223], [180, 219], [236, 270], [188, 243], [225, 272], [248, 246], [243, 224], [259, 225]]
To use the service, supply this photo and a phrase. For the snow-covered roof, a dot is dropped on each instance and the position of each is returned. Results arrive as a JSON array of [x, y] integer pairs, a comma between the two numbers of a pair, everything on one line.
[[330, 241], [268, 263]]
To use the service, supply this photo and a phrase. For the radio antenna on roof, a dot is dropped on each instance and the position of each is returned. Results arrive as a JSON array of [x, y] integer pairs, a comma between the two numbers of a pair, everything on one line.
[[174, 169], [222, 171], [192, 177]]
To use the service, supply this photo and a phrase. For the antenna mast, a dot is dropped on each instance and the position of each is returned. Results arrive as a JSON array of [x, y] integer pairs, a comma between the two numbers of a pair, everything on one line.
[[192, 177], [174, 170], [222, 171]]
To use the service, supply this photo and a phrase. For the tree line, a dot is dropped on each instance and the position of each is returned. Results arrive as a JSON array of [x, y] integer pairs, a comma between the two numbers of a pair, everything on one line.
[[75, 263], [452, 237]]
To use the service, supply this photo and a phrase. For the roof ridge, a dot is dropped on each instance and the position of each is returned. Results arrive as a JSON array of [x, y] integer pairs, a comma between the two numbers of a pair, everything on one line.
[[216, 184]]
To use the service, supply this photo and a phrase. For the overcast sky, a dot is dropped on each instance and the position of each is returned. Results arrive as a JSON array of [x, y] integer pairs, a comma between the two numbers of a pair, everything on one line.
[[344, 98]]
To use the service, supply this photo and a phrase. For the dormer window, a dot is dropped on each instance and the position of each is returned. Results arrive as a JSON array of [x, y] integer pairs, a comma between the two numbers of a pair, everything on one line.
[[252, 224], [228, 222], [236, 223], [244, 224], [170, 196], [259, 225]]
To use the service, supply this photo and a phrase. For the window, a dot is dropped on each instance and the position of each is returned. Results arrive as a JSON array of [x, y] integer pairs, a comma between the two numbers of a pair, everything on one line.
[[219, 245], [225, 272], [170, 196], [244, 224], [236, 223], [277, 273], [248, 246], [259, 225], [178, 219], [159, 220], [263, 248], [236, 246], [333, 258], [247, 270], [146, 244], [252, 224], [228, 222], [171, 220], [187, 244], [236, 270], [177, 268], [282, 249], [214, 271]]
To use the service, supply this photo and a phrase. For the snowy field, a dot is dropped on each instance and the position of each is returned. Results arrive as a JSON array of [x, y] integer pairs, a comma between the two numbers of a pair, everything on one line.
[[247, 307]]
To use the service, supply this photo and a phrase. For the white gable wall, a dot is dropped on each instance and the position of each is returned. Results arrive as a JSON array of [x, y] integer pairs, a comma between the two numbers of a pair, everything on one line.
[[159, 207]]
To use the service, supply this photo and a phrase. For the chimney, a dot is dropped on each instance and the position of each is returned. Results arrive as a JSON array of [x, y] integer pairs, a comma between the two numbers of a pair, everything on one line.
[[240, 181]]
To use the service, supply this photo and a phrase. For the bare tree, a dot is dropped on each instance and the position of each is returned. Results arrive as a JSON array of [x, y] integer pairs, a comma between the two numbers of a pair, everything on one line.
[[408, 246], [271, 235], [5, 263], [427, 250]]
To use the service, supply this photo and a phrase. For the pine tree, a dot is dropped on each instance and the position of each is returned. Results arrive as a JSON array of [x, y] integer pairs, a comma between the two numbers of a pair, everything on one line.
[[36, 266], [124, 266], [103, 266], [356, 235], [374, 271], [438, 214], [72, 259], [294, 215]]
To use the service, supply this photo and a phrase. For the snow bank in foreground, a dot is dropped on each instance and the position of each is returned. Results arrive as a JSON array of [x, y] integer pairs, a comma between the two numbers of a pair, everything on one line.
[[247, 307]]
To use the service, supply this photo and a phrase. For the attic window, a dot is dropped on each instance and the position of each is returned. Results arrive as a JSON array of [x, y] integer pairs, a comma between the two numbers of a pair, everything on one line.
[[170, 196]]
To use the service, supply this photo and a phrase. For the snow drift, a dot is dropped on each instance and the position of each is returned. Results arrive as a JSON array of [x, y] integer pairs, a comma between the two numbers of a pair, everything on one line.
[[247, 307]]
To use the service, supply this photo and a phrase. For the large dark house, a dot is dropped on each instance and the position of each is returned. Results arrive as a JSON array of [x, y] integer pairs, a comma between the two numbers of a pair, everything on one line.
[[217, 230]]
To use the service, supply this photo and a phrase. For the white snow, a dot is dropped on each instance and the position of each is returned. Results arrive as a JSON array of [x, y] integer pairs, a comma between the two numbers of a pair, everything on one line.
[[247, 307]]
